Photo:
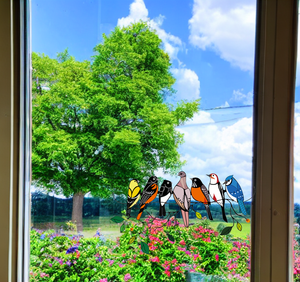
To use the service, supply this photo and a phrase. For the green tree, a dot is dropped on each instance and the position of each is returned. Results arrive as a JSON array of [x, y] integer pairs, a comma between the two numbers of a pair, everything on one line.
[[96, 126]]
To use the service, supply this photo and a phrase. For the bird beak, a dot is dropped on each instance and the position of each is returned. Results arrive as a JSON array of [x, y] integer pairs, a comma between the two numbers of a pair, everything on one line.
[[209, 175], [191, 179], [224, 183]]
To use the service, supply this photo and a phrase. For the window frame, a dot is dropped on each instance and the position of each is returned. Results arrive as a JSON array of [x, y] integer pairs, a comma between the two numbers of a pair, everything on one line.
[[274, 85], [273, 141]]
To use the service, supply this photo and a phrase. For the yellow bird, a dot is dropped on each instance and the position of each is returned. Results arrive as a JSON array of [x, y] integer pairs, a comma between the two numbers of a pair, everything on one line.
[[134, 194]]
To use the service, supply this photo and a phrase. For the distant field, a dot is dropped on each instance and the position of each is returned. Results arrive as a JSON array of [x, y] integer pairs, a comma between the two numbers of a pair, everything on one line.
[[111, 230]]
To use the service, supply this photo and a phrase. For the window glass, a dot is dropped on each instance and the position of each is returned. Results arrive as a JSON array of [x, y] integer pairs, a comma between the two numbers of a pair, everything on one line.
[[142, 140]]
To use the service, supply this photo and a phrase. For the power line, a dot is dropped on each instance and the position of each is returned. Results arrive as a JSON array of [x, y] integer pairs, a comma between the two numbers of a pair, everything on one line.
[[225, 108]]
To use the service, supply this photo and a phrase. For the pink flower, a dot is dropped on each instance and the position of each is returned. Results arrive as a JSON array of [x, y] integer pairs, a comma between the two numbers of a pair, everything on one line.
[[127, 277], [182, 242], [217, 257], [103, 280], [196, 256], [155, 259], [168, 272], [44, 275]]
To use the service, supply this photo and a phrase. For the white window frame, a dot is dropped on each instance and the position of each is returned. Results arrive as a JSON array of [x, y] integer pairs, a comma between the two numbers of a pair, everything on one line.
[[272, 214]]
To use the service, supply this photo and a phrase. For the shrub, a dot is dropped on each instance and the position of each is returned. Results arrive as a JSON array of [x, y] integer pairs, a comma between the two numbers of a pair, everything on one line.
[[157, 250]]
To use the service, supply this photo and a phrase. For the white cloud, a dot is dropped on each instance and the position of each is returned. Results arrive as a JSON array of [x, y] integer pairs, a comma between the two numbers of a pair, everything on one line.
[[200, 118], [214, 147], [138, 11], [228, 27], [224, 150], [226, 105], [239, 96], [187, 84], [187, 81]]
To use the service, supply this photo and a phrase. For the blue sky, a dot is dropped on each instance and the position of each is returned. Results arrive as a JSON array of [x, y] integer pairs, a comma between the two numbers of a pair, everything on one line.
[[211, 45]]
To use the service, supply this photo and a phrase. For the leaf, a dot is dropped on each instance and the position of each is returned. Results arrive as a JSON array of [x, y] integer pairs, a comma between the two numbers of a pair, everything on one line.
[[117, 219], [239, 226], [198, 214], [226, 230], [132, 239], [145, 247], [170, 237], [122, 228]]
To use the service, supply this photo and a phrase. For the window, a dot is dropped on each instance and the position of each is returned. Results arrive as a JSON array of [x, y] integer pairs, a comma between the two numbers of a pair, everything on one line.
[[279, 213]]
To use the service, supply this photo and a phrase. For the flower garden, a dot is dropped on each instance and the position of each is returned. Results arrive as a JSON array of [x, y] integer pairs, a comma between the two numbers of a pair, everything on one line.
[[159, 250]]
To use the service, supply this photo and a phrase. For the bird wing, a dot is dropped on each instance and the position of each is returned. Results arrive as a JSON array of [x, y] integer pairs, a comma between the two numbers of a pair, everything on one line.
[[221, 190], [162, 189], [236, 192], [129, 193], [205, 193], [179, 202], [136, 191], [135, 201], [179, 196], [148, 192]]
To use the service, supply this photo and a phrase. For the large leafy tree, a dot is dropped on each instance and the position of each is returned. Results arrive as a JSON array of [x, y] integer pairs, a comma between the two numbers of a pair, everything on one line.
[[96, 126]]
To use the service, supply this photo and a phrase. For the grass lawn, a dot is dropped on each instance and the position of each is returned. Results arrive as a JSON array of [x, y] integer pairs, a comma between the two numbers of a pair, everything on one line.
[[111, 230]]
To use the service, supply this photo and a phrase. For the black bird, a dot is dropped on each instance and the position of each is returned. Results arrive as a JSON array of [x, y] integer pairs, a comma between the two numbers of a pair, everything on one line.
[[164, 195], [148, 195]]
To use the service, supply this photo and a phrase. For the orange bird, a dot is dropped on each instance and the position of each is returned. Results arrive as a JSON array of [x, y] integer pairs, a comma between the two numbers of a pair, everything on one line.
[[200, 194], [148, 194]]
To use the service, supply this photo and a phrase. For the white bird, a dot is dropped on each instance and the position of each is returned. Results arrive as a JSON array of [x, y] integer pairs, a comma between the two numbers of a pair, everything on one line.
[[216, 191]]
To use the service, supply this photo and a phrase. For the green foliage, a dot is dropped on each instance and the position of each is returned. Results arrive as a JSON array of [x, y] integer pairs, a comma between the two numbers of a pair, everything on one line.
[[144, 251], [97, 125]]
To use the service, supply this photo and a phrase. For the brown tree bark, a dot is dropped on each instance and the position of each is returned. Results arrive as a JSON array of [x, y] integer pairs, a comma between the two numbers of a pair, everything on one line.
[[77, 210]]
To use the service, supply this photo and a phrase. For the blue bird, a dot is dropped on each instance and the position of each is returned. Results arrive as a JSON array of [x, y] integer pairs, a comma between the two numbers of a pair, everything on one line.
[[235, 192]]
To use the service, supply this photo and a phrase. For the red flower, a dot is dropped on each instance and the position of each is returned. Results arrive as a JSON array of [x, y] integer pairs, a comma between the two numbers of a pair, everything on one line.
[[217, 257]]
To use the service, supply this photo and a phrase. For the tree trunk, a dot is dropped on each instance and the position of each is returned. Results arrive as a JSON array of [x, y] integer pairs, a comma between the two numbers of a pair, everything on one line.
[[77, 210]]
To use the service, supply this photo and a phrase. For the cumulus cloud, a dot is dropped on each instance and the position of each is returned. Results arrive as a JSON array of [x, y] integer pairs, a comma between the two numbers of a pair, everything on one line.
[[215, 147], [187, 82], [239, 96], [200, 118], [224, 150], [138, 11], [227, 27]]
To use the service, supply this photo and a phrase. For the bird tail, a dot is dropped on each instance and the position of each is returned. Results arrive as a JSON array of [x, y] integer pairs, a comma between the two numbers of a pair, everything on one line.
[[141, 211], [223, 214], [242, 207], [208, 212], [162, 210], [128, 212]]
